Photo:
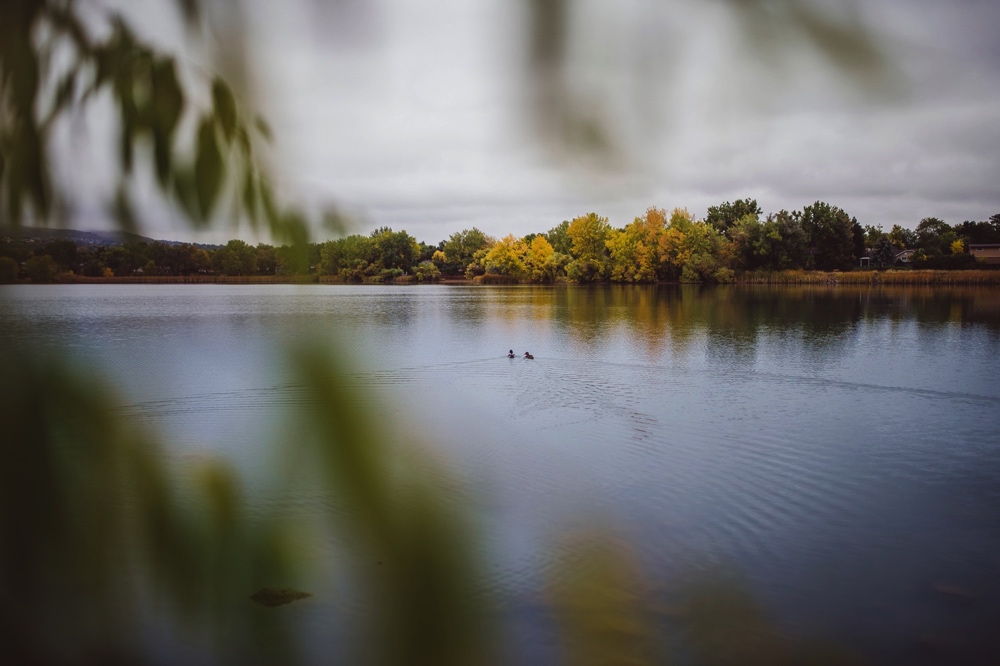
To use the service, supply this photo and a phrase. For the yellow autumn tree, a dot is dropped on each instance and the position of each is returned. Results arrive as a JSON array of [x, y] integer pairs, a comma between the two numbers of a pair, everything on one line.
[[635, 250], [694, 250], [674, 253], [588, 234], [506, 257], [539, 260]]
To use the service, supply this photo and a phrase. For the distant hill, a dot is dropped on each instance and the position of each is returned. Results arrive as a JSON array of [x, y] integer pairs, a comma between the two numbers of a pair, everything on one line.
[[99, 238]]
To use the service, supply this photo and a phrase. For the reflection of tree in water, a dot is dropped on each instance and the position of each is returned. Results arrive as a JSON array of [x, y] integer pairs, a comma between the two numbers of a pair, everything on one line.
[[582, 313], [965, 305]]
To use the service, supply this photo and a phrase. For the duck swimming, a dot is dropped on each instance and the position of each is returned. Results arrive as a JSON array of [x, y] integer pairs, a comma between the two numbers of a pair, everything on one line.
[[528, 355], [511, 354]]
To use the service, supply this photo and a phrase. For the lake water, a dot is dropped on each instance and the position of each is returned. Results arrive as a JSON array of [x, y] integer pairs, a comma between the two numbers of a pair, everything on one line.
[[837, 448]]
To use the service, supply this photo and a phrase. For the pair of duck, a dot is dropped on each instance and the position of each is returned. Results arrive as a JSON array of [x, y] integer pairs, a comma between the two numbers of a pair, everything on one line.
[[511, 354]]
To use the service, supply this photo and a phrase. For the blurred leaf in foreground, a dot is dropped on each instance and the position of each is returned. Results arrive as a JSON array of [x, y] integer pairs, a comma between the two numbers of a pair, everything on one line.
[[100, 540]]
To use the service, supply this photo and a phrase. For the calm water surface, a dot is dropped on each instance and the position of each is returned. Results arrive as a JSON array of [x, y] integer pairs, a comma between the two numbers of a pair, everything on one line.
[[838, 448]]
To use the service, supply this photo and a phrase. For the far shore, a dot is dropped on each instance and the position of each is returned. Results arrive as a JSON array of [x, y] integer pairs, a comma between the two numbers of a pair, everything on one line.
[[794, 277]]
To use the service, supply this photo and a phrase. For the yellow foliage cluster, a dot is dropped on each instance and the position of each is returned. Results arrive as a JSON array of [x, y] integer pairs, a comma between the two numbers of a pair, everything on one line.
[[516, 257]]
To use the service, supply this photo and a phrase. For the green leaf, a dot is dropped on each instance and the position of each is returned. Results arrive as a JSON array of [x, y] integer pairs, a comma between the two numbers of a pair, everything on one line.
[[105, 66], [263, 128], [225, 107], [250, 196], [268, 204], [167, 96], [65, 91], [162, 155], [27, 172], [124, 211], [244, 141], [208, 168], [125, 143], [186, 194], [167, 102]]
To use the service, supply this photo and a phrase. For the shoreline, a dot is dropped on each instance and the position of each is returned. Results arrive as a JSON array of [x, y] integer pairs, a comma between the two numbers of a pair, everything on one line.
[[792, 277]]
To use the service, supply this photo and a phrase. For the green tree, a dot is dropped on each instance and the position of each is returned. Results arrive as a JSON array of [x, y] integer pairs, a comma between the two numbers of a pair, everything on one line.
[[64, 252], [934, 237], [93, 267], [8, 270], [192, 260], [41, 268], [753, 244], [237, 257], [267, 259], [559, 239], [425, 252], [477, 266], [883, 253], [708, 254], [121, 259], [873, 234], [426, 271], [724, 216], [858, 236], [979, 232], [901, 238], [830, 233], [793, 250], [394, 249], [777, 243], [352, 253], [461, 247]]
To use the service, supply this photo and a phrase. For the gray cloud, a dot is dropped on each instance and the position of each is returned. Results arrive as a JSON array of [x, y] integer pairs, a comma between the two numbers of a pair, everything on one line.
[[416, 118]]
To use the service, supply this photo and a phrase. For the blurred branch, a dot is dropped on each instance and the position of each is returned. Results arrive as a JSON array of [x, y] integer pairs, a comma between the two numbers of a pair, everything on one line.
[[92, 522], [151, 99], [422, 589], [568, 97]]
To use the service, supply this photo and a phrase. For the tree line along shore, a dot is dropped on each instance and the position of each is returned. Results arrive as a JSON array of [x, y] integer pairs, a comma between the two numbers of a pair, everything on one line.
[[734, 243]]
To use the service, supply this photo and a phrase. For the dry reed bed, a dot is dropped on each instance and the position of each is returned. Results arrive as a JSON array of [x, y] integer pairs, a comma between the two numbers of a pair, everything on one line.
[[890, 277]]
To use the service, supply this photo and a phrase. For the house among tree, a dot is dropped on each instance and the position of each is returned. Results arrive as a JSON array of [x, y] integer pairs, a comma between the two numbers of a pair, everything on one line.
[[901, 257], [985, 252]]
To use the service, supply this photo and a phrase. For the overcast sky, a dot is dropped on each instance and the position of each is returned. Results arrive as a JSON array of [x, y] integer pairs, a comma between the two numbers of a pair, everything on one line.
[[413, 115]]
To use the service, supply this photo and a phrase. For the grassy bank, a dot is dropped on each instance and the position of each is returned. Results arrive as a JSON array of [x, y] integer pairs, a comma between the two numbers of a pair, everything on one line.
[[189, 279]]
